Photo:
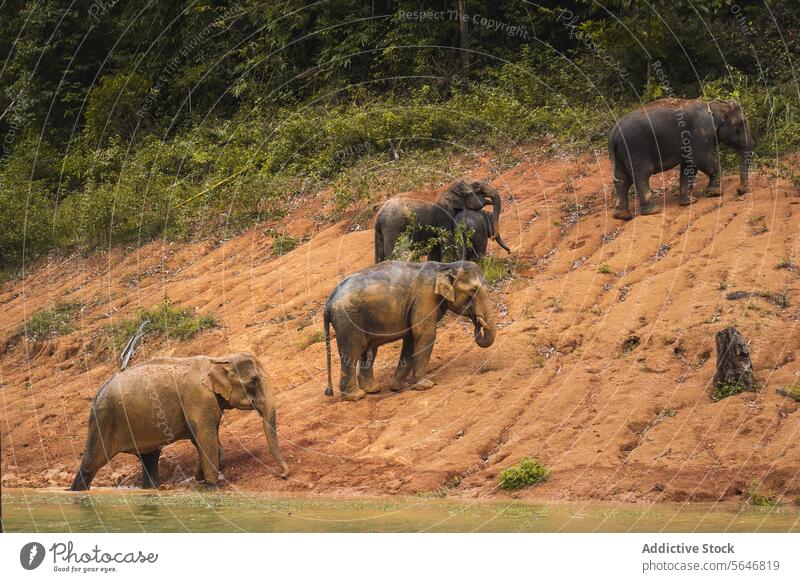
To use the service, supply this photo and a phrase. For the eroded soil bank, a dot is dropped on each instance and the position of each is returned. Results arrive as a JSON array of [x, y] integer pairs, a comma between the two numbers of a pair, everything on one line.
[[601, 369]]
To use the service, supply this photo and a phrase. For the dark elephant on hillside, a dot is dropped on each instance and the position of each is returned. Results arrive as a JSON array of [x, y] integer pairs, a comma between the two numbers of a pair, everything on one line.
[[675, 132], [477, 230], [430, 219]]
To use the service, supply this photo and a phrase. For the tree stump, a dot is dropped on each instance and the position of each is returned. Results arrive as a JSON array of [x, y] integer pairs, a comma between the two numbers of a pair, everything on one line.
[[734, 367]]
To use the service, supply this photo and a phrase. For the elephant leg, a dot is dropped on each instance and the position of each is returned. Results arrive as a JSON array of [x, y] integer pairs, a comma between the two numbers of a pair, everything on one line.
[[349, 356], [366, 380], [621, 188], [90, 465], [94, 458], [642, 185], [198, 474], [149, 461], [687, 178], [404, 365], [714, 187], [206, 440], [423, 347]]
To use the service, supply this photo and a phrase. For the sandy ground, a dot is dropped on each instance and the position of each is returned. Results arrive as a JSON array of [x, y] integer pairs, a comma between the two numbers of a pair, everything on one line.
[[560, 383]]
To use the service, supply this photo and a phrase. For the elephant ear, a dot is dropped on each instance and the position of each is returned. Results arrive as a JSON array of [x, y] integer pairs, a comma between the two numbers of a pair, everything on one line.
[[219, 377], [444, 285]]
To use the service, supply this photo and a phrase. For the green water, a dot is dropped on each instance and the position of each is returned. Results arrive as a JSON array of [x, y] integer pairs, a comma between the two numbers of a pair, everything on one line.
[[116, 510]]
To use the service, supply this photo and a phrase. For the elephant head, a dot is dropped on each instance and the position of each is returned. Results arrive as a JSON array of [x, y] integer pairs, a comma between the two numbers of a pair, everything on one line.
[[485, 192], [462, 286], [458, 197], [733, 130], [240, 381]]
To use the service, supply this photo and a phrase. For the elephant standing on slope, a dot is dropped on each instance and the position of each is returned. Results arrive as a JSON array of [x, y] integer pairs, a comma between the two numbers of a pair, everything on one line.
[[394, 301], [676, 132], [164, 400], [477, 230], [430, 219]]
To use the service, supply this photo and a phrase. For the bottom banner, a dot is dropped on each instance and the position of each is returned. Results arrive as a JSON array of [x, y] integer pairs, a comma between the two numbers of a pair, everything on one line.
[[400, 556]]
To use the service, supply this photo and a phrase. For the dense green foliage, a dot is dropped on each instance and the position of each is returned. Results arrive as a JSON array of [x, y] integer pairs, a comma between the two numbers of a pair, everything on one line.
[[124, 121]]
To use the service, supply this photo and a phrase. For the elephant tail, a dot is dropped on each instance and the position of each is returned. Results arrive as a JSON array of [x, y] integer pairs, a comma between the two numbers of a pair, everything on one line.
[[327, 323], [379, 257], [619, 159]]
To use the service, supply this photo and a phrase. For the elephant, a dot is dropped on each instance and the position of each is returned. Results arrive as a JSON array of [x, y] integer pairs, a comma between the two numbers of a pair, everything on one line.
[[396, 300], [164, 400], [397, 214], [479, 224], [676, 132]]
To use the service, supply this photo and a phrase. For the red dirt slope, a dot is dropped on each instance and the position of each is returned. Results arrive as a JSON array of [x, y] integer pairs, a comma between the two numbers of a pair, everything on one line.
[[562, 383]]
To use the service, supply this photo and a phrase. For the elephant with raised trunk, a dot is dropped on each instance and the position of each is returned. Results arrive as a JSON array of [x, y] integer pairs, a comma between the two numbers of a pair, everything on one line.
[[676, 132], [429, 219], [394, 301], [164, 400]]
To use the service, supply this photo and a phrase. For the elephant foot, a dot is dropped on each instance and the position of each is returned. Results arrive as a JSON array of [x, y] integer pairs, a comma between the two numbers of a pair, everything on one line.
[[649, 209], [742, 191], [372, 389], [713, 192], [423, 384], [397, 386], [207, 486], [622, 214], [687, 200], [353, 396]]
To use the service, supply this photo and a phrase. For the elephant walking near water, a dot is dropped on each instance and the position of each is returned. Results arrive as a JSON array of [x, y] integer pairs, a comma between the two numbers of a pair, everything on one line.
[[394, 301], [676, 132], [164, 400]]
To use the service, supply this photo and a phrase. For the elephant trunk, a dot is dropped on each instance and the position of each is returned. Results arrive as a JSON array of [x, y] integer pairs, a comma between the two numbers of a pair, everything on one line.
[[271, 432], [483, 319], [744, 171], [494, 217], [502, 244]]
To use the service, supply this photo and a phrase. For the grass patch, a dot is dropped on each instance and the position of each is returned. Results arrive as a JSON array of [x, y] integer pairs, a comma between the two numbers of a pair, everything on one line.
[[758, 498], [313, 338], [725, 389], [604, 269], [165, 320], [524, 474], [494, 270], [49, 323], [282, 243], [792, 392], [758, 224]]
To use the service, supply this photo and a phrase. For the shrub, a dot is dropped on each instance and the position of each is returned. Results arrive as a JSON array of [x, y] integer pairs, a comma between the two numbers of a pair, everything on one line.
[[792, 392], [724, 390], [49, 323], [494, 270], [313, 338], [604, 269], [283, 244], [758, 498], [166, 320], [524, 474]]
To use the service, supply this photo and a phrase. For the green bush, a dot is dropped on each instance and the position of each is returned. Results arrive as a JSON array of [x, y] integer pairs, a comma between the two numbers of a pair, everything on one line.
[[758, 498], [792, 392], [165, 320], [524, 474], [494, 269], [49, 323], [725, 389], [313, 338]]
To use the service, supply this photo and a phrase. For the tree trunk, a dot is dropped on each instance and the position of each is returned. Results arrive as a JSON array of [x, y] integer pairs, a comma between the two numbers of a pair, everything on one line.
[[733, 360], [464, 33]]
